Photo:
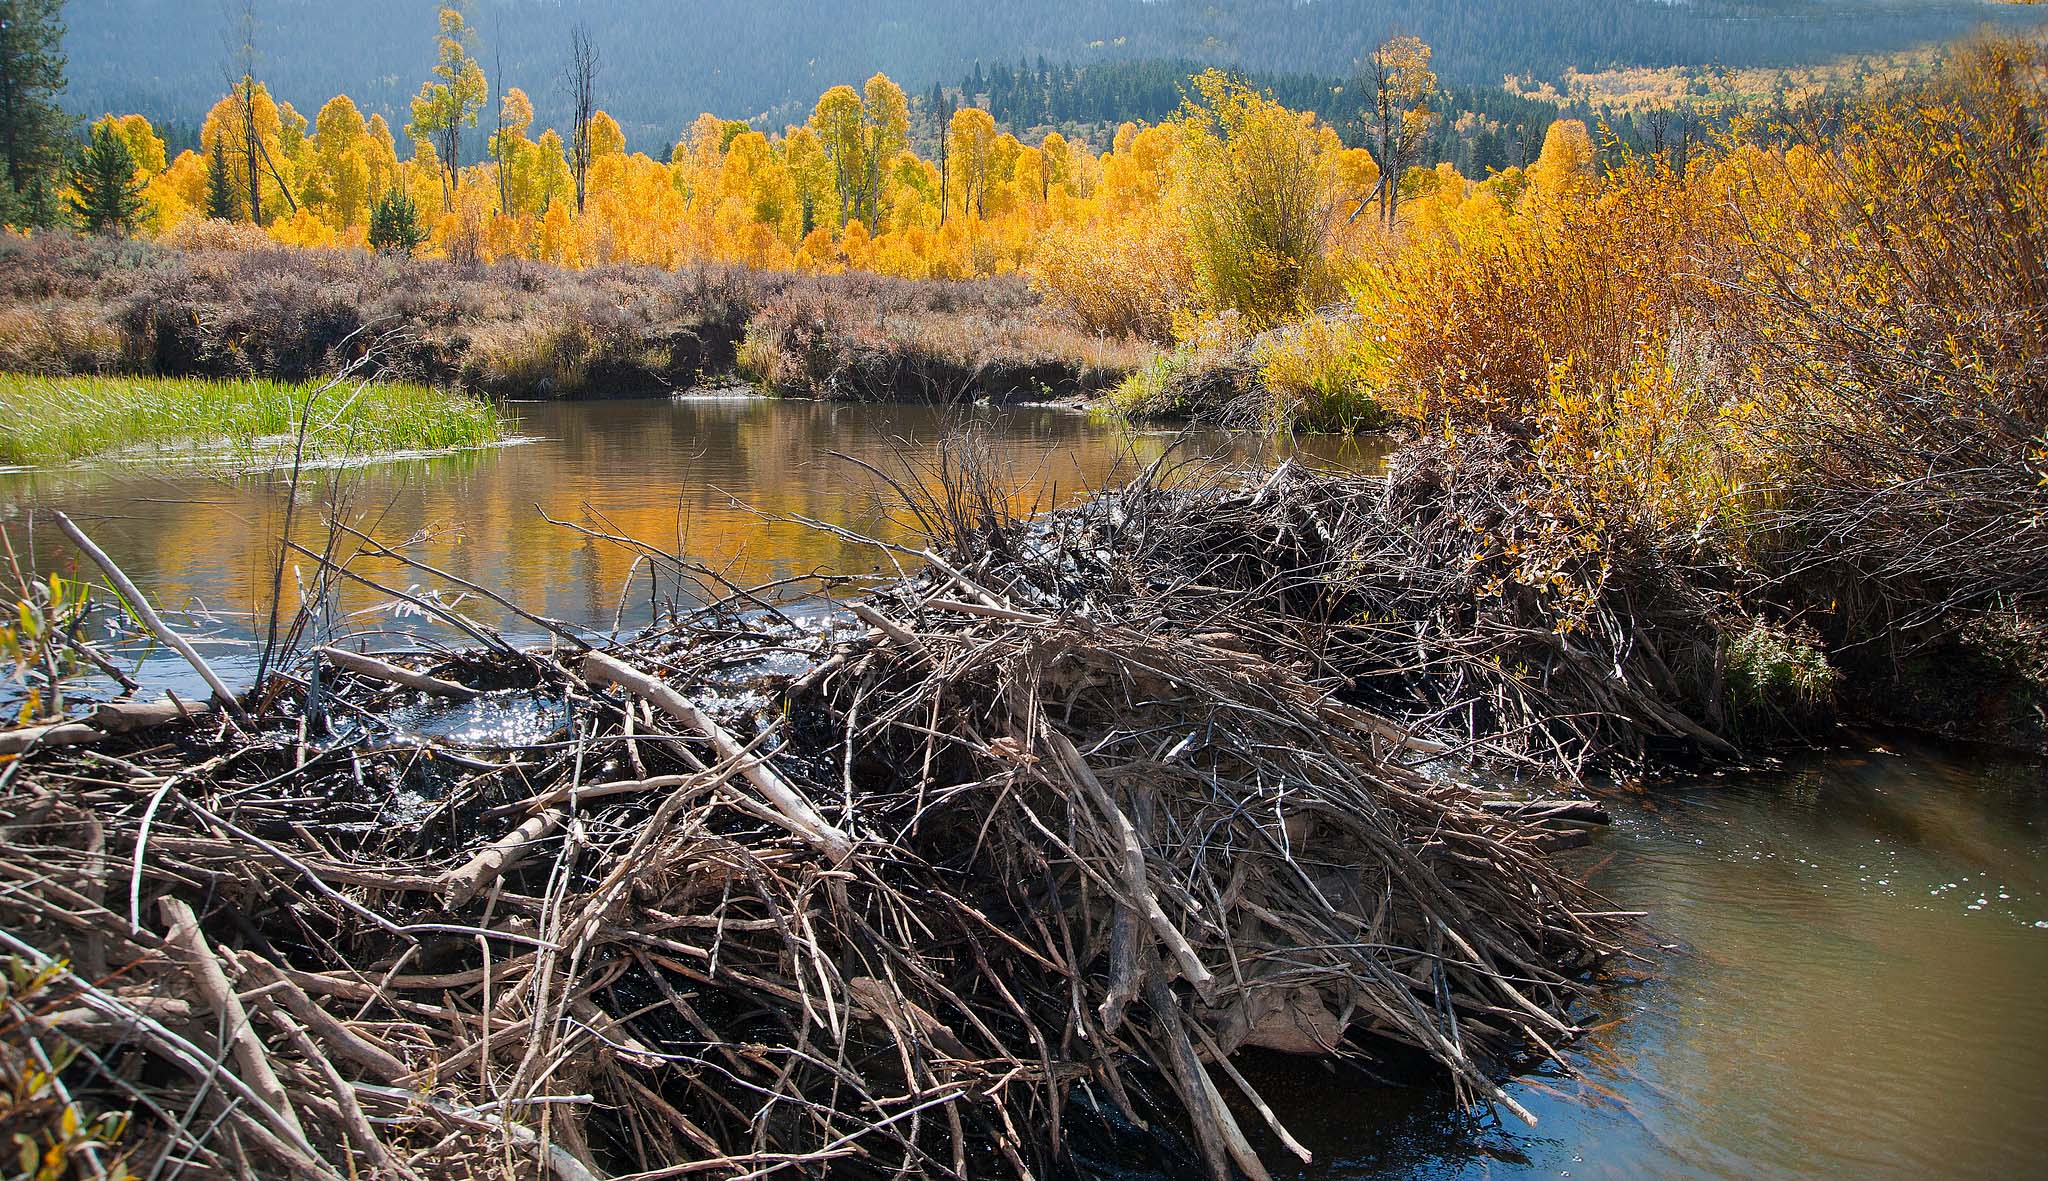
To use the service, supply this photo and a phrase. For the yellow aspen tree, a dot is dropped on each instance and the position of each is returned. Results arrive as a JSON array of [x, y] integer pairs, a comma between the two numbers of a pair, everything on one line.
[[1563, 171], [449, 102], [606, 137], [970, 143], [817, 189]]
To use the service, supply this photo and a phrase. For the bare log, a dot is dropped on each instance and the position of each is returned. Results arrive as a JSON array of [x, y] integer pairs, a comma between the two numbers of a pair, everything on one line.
[[802, 819]]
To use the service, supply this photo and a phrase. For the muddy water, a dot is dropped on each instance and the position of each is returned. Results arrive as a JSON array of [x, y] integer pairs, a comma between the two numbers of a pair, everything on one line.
[[1850, 975]]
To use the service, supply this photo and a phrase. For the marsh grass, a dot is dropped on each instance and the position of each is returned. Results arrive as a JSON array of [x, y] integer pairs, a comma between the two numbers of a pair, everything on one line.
[[46, 421]]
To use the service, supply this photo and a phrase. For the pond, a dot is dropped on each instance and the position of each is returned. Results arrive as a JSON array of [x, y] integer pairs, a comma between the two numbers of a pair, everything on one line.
[[1849, 951]]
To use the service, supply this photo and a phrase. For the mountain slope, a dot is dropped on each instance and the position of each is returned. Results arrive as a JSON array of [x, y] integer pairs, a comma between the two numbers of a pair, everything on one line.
[[666, 60]]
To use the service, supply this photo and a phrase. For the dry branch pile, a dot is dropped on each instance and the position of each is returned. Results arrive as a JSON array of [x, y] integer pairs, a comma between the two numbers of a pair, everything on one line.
[[994, 868]]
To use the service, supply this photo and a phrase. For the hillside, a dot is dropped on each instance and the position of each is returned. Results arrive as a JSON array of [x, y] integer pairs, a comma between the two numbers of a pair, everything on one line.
[[664, 61]]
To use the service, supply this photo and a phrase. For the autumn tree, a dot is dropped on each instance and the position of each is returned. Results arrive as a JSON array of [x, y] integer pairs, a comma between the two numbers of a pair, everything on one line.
[[248, 131], [939, 107], [1259, 191], [258, 124], [106, 196], [34, 130], [862, 132], [1563, 174], [810, 168], [450, 101], [343, 172], [971, 142], [1400, 83]]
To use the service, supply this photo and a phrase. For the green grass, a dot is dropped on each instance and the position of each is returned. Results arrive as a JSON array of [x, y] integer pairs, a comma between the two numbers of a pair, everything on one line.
[[53, 420]]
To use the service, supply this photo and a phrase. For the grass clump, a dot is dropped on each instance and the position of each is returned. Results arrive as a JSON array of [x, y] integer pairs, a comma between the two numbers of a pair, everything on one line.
[[52, 420]]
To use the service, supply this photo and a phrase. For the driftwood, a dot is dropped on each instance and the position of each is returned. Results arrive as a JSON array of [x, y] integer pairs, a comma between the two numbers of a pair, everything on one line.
[[140, 605]]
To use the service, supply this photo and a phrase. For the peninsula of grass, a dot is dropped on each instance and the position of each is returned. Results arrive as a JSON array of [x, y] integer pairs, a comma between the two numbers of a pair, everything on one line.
[[46, 421]]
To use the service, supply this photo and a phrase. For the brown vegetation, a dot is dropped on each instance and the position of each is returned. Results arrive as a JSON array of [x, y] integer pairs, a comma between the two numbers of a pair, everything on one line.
[[527, 330]]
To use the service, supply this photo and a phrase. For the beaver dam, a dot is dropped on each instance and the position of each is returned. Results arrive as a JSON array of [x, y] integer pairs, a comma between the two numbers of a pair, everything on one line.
[[985, 870]]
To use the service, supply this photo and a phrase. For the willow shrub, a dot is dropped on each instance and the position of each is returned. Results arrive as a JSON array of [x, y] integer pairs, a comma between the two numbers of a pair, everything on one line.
[[1894, 296], [1260, 189]]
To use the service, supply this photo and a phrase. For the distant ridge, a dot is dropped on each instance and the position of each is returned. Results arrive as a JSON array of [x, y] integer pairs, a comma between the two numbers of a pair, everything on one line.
[[667, 60]]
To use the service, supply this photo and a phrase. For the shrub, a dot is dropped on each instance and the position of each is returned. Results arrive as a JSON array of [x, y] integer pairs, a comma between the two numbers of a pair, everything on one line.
[[1778, 672], [1128, 282], [1258, 199], [1320, 375], [1894, 293]]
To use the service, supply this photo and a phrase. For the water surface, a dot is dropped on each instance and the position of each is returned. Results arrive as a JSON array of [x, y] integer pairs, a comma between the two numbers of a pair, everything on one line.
[[725, 481], [1849, 978]]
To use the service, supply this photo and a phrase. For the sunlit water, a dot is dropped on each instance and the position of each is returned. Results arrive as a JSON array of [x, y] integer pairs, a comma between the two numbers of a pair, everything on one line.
[[1848, 955]]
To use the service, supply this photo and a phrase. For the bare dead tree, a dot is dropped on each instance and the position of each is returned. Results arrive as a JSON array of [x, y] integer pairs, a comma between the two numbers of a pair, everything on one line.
[[242, 84], [582, 81], [498, 140], [246, 87]]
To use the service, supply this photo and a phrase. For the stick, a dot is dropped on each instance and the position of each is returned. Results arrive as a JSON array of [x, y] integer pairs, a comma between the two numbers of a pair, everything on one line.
[[140, 605], [795, 810], [15, 742], [132, 717], [344, 1041], [205, 970], [500, 855], [1134, 867], [380, 670]]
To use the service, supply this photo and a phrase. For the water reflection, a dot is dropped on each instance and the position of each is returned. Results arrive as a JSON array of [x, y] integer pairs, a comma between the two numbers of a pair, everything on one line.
[[714, 479]]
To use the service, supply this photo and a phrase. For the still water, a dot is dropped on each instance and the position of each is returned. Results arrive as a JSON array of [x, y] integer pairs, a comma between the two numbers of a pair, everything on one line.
[[1848, 973]]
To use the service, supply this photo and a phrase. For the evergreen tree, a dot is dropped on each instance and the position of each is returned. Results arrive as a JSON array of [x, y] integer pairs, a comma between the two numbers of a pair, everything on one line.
[[395, 225], [33, 128], [223, 203], [106, 198]]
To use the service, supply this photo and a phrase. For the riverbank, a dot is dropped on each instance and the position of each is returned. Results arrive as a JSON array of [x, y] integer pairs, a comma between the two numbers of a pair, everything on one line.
[[519, 330], [49, 421]]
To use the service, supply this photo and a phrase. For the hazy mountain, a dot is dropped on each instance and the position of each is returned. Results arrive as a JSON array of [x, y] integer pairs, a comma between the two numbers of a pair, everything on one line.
[[666, 60]]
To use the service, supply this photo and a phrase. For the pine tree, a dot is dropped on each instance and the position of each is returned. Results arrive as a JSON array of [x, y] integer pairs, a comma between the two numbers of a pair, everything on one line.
[[395, 225], [34, 130], [223, 203], [106, 198]]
